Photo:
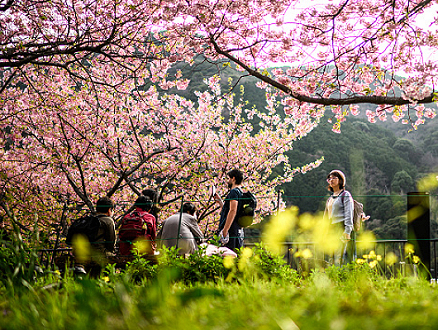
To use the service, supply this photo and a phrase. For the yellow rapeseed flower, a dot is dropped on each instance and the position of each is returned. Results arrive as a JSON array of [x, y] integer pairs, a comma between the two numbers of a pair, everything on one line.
[[379, 257], [106, 279], [306, 254], [430, 182], [373, 263], [246, 253], [372, 255], [143, 246], [326, 239], [415, 259], [366, 240], [307, 222], [228, 262], [81, 248], [391, 259], [360, 261], [409, 248], [278, 228], [244, 258]]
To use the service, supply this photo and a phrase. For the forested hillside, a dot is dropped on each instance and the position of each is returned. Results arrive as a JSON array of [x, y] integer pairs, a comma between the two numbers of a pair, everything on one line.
[[380, 167], [383, 161]]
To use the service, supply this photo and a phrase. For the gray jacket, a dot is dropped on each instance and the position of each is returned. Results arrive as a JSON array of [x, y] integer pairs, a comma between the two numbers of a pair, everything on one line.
[[342, 210], [189, 233]]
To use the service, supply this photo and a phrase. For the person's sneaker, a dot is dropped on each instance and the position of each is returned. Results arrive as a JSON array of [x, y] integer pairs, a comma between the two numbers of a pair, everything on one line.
[[79, 270]]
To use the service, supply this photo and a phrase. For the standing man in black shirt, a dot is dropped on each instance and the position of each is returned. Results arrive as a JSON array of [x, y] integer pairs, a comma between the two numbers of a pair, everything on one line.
[[230, 232]]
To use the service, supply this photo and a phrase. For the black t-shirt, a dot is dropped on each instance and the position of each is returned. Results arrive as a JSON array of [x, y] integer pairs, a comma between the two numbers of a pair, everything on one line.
[[234, 194]]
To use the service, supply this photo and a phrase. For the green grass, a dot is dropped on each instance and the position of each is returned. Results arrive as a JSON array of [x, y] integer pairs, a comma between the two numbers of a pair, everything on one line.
[[259, 292]]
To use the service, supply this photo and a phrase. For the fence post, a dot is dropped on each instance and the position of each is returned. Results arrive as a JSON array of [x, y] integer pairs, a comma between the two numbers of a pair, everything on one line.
[[418, 216]]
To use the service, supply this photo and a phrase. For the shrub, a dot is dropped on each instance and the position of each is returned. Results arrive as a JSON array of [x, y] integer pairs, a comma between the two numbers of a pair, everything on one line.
[[19, 264], [198, 267]]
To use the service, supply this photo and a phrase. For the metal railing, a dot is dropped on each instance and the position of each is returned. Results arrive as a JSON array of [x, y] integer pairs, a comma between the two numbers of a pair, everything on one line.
[[381, 248], [319, 259]]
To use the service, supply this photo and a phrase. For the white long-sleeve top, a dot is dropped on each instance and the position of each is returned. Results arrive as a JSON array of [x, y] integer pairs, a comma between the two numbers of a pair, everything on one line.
[[340, 209]]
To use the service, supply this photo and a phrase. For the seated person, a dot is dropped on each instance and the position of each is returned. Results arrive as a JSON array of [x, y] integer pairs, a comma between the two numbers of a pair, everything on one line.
[[154, 196], [138, 225], [106, 236], [189, 232], [103, 245]]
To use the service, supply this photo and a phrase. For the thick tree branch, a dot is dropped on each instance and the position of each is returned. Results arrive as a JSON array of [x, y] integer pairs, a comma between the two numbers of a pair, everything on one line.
[[7, 5], [373, 99]]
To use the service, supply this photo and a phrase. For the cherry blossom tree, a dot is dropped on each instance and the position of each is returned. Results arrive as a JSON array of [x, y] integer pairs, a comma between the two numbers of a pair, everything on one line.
[[70, 147], [340, 52], [81, 112]]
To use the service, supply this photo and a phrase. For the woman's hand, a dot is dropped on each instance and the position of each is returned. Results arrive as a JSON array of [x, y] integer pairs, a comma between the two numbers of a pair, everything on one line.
[[346, 237]]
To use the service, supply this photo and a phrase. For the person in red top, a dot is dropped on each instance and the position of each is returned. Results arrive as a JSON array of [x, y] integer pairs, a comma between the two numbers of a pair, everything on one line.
[[140, 224]]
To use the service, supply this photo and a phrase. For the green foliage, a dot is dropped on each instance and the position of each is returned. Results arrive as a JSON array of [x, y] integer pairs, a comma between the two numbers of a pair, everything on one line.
[[402, 183], [273, 267], [353, 297], [198, 267], [363, 151], [393, 228], [19, 264], [138, 270]]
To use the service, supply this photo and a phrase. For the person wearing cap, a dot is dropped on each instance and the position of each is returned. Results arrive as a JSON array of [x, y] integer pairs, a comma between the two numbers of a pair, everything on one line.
[[182, 230], [339, 211]]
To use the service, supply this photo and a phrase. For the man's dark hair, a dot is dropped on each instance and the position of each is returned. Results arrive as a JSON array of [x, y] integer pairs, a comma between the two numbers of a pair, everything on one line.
[[151, 193], [237, 174], [143, 202], [104, 204], [189, 208]]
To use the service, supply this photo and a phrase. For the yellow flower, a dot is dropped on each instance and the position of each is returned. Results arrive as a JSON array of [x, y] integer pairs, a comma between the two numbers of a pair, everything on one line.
[[360, 261], [81, 248], [143, 246], [326, 239], [106, 279], [415, 259], [391, 259], [409, 248], [228, 262], [306, 254], [366, 240], [379, 257], [372, 255], [246, 253], [278, 228], [430, 182], [307, 222], [373, 263], [244, 258]]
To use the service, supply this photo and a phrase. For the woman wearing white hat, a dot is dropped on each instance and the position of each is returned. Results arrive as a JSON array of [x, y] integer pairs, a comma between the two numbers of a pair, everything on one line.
[[339, 211]]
